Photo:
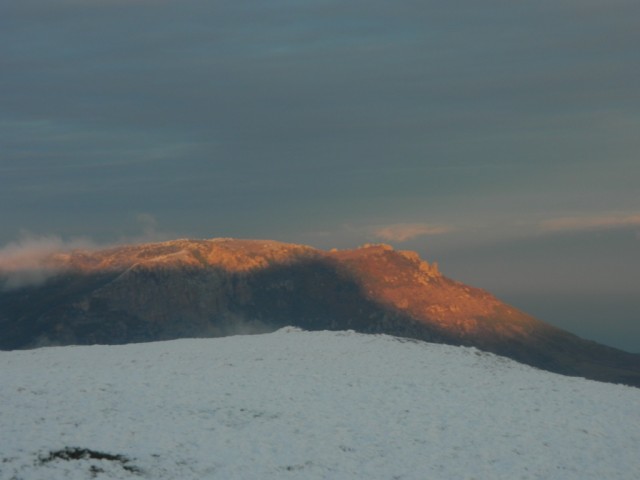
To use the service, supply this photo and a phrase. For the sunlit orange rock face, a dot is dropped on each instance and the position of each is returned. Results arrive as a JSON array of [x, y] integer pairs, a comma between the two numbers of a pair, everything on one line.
[[402, 281], [187, 288]]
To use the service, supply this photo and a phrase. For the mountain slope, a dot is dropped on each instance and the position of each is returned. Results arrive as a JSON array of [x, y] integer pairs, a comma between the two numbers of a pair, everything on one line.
[[310, 405], [209, 288]]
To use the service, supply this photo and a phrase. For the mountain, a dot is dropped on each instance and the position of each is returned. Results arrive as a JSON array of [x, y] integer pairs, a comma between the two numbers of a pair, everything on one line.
[[312, 405], [212, 288]]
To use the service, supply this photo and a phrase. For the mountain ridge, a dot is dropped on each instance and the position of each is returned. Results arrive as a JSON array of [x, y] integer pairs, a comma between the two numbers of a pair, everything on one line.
[[218, 287]]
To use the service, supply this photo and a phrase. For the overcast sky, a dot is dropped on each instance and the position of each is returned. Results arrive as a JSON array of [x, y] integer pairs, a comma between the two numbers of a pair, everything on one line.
[[499, 138]]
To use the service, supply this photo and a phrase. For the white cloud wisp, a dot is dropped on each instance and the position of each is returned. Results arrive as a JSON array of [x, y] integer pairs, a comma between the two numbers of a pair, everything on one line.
[[31, 261], [403, 232]]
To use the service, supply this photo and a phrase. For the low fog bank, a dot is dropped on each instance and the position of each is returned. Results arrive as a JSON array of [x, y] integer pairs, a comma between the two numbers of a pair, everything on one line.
[[32, 260]]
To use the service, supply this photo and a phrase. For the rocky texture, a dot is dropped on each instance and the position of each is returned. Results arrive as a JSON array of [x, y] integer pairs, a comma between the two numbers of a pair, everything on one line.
[[208, 288]]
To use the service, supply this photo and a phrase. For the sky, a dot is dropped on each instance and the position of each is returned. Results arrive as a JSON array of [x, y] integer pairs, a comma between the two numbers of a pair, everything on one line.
[[498, 138]]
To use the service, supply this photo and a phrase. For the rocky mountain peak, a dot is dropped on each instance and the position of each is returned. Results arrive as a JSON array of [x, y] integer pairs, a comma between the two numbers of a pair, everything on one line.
[[223, 286]]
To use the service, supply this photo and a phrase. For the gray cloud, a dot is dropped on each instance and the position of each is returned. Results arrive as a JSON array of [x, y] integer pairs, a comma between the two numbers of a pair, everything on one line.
[[268, 119]]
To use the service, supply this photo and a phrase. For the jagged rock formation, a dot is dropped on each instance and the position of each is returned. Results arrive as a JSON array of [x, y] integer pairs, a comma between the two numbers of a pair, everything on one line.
[[188, 288]]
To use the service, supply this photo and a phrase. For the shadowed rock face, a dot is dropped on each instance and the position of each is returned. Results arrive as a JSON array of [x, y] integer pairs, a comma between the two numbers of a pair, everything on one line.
[[221, 287]]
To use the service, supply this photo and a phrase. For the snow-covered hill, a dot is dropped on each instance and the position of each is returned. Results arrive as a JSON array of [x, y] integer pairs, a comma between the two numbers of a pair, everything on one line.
[[293, 404]]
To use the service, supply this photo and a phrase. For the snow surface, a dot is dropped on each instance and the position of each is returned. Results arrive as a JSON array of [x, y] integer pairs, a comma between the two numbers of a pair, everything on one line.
[[294, 404]]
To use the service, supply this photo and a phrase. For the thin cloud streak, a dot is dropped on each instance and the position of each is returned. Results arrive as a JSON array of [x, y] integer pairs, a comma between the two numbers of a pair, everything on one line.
[[567, 224], [403, 232]]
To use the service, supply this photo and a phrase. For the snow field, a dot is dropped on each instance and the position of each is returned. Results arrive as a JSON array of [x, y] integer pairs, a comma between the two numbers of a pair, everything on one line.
[[313, 405]]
